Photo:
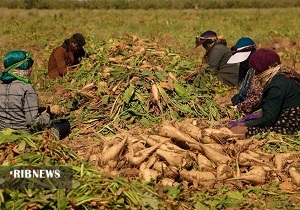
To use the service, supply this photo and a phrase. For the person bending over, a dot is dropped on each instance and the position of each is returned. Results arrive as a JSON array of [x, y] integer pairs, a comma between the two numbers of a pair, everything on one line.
[[65, 58], [216, 57], [280, 99], [248, 98]]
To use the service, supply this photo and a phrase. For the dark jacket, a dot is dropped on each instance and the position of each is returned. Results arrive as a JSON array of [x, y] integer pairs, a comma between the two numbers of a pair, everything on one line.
[[60, 58], [282, 93], [217, 61]]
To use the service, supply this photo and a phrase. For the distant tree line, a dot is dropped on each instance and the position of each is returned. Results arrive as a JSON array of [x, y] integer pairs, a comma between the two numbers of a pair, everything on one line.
[[147, 4]]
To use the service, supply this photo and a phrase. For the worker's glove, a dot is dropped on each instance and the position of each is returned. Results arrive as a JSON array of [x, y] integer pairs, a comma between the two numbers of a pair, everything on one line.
[[251, 116], [235, 123]]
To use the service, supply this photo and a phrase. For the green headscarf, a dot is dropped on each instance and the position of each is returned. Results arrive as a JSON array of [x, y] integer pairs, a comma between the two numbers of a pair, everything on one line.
[[13, 62]]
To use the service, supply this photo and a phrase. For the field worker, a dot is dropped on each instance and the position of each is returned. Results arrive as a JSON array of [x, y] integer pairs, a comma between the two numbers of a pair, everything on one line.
[[19, 103], [248, 98], [280, 100], [66, 57], [216, 56]]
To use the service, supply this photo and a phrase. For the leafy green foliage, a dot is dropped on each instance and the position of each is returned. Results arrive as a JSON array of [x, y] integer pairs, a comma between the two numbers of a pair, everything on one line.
[[173, 192]]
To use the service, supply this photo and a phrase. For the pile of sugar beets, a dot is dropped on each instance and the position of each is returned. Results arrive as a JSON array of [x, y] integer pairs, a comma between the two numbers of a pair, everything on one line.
[[191, 152]]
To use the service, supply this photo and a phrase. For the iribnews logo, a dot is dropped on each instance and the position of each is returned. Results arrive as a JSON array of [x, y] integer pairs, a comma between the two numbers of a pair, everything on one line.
[[34, 173], [36, 177]]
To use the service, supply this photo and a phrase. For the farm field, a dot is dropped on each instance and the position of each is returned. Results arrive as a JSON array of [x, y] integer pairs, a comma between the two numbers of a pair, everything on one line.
[[131, 82]]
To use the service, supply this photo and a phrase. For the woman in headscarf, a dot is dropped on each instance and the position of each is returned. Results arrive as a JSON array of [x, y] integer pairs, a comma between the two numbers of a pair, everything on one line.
[[18, 99], [280, 100], [216, 56], [248, 98], [65, 57], [19, 103]]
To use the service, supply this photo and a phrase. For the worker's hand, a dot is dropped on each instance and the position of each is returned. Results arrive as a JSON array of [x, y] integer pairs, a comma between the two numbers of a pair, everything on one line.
[[252, 116], [48, 112], [235, 123], [240, 130], [42, 109], [72, 69]]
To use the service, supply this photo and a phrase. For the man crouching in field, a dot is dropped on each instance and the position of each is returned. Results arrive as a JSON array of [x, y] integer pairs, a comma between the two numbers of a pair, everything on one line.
[[66, 57]]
